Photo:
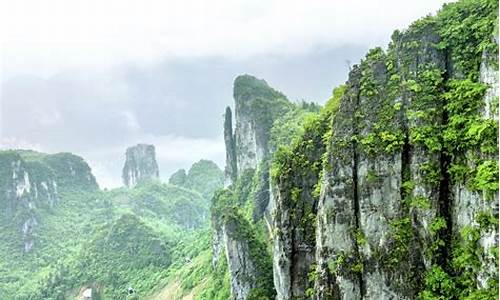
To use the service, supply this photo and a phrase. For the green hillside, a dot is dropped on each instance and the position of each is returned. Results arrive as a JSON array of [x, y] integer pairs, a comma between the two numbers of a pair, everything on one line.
[[387, 191], [108, 240]]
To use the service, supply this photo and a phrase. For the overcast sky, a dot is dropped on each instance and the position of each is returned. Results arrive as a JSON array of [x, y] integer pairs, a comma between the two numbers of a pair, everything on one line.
[[93, 77]]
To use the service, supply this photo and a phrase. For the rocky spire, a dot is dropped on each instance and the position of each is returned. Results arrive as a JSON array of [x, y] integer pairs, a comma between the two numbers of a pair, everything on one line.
[[230, 173], [140, 165]]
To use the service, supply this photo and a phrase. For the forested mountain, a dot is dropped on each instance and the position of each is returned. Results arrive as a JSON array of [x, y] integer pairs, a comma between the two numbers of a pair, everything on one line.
[[61, 235], [388, 191]]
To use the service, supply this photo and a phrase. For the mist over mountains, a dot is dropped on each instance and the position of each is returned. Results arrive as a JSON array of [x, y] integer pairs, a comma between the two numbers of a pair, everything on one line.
[[174, 105]]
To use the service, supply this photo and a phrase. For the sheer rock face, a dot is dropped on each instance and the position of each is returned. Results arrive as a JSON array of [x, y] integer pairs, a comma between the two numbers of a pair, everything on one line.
[[250, 147], [293, 240], [469, 204], [140, 165], [488, 73], [248, 260], [257, 106], [255, 109], [392, 210], [382, 182], [377, 183], [293, 216], [30, 182], [218, 244], [217, 240], [412, 63], [362, 203], [242, 269], [336, 216]]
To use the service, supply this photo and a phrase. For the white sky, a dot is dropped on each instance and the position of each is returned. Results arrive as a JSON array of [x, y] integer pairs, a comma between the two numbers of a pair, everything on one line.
[[95, 76], [46, 36]]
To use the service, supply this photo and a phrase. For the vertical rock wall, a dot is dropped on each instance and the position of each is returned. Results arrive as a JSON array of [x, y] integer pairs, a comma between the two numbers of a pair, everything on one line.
[[241, 266], [257, 105], [294, 211], [337, 218], [391, 208], [472, 205], [408, 206], [246, 257], [378, 170]]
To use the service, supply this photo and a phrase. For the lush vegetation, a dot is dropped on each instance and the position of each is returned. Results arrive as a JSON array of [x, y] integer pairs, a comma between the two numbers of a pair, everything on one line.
[[421, 98], [107, 240]]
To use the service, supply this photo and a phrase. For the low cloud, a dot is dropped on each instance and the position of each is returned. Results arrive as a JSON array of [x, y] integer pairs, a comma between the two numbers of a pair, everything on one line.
[[94, 77], [44, 36], [177, 106]]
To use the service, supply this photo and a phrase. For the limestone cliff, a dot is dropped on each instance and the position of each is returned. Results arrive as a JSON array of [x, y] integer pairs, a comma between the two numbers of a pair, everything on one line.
[[140, 165], [249, 276], [294, 212], [257, 105], [399, 191], [393, 194], [235, 240], [31, 183], [475, 206]]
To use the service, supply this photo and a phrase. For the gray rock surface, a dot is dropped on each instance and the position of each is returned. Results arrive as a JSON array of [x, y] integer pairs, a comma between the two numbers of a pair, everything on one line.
[[242, 269], [140, 165], [469, 204], [337, 218], [257, 105]]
